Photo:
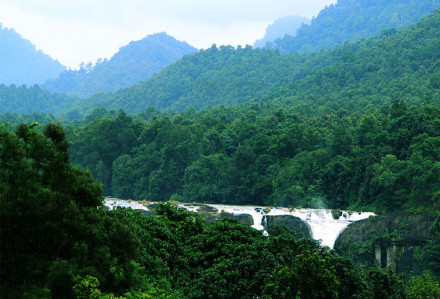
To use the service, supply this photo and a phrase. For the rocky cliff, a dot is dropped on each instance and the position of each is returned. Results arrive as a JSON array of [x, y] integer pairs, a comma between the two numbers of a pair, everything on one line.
[[390, 241]]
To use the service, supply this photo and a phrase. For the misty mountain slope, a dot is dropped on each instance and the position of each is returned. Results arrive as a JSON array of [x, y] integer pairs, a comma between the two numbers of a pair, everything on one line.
[[22, 63], [352, 20], [371, 74], [27, 100], [228, 76], [211, 77], [279, 28], [136, 62]]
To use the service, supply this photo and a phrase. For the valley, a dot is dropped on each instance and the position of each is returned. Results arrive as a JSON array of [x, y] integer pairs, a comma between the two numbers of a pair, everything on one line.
[[304, 166]]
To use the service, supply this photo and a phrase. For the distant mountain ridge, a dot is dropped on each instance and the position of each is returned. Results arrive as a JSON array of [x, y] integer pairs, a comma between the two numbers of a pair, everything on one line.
[[21, 63], [352, 20], [228, 76], [279, 28], [134, 63]]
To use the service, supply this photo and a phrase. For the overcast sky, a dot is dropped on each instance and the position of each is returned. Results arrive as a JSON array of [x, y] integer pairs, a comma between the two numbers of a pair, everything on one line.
[[75, 31]]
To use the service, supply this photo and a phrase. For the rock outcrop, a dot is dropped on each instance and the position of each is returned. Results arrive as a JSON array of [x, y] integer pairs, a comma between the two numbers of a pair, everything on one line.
[[389, 241], [300, 228]]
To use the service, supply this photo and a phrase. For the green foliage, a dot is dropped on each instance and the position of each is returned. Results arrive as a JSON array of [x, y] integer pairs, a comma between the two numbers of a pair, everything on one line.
[[384, 283], [355, 127], [31, 100], [363, 76], [423, 286], [350, 20], [53, 237], [51, 229], [384, 161]]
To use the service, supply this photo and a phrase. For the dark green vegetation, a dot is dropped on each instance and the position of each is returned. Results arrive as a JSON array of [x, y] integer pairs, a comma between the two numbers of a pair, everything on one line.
[[352, 20], [136, 62], [361, 76], [384, 161], [354, 127], [33, 99], [279, 28], [55, 242], [21, 63]]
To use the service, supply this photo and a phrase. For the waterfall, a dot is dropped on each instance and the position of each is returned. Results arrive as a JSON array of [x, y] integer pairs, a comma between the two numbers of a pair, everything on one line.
[[325, 225], [111, 204]]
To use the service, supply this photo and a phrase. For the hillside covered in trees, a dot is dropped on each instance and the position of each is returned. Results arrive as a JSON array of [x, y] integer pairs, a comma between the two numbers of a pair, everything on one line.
[[136, 62], [353, 20], [57, 244], [21, 63], [371, 71], [354, 127], [33, 99], [383, 161]]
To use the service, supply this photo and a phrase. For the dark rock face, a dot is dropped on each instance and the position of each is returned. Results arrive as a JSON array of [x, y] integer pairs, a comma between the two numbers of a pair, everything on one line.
[[301, 228], [243, 218], [389, 241], [211, 215]]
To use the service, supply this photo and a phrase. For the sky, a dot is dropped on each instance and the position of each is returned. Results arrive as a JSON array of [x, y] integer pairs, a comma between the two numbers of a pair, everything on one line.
[[75, 31]]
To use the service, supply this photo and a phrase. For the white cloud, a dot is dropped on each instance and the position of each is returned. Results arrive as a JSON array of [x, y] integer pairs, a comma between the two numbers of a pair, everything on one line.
[[74, 31]]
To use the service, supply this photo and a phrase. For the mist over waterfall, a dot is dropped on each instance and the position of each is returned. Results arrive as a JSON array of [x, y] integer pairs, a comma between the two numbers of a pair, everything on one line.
[[325, 224]]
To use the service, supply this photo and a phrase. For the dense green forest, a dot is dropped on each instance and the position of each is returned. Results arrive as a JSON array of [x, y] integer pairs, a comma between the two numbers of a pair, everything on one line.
[[355, 127], [353, 20], [21, 63], [394, 65], [56, 243], [136, 62], [384, 161], [33, 99]]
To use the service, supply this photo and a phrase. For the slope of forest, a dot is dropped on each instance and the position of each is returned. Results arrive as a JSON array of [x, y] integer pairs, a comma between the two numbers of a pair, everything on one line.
[[136, 62], [356, 127], [56, 243], [375, 67], [383, 162], [366, 122], [33, 99], [352, 20], [21, 63], [279, 28], [400, 65]]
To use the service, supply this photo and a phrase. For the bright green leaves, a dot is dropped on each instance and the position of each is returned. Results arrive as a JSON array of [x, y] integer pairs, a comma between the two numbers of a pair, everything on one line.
[[207, 179], [423, 286]]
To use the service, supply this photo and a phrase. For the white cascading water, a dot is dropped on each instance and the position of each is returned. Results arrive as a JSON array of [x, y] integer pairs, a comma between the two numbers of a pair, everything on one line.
[[112, 203], [322, 224]]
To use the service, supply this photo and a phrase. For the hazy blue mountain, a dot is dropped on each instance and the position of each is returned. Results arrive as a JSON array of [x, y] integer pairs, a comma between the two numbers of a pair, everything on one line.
[[281, 27], [136, 62], [352, 20], [22, 63]]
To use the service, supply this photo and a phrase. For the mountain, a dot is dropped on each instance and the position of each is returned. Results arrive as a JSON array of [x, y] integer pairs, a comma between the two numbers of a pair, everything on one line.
[[352, 20], [374, 69], [27, 100], [365, 76], [281, 27], [136, 62], [22, 63]]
